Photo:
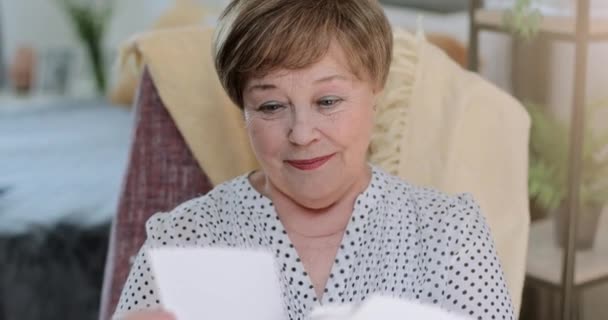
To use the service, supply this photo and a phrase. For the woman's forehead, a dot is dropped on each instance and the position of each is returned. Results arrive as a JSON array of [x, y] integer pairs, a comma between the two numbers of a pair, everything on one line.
[[333, 66]]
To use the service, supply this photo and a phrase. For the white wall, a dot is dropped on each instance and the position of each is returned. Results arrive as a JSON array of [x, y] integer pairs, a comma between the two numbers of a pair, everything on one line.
[[137, 15], [561, 80], [37, 23], [42, 25], [554, 80], [494, 47]]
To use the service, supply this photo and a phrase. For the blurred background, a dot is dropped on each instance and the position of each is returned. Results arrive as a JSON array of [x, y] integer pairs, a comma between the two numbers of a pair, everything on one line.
[[66, 125]]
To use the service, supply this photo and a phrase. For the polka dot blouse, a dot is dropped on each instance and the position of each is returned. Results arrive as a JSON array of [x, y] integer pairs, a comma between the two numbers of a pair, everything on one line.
[[401, 240]]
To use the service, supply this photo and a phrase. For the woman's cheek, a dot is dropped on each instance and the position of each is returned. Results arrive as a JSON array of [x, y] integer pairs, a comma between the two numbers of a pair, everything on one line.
[[266, 137]]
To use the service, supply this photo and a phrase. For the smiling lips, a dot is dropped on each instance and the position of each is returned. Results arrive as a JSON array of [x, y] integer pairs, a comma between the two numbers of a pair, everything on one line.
[[309, 164]]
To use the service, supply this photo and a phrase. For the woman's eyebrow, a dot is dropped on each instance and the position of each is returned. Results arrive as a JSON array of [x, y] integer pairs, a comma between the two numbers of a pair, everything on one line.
[[270, 86], [261, 87], [331, 77]]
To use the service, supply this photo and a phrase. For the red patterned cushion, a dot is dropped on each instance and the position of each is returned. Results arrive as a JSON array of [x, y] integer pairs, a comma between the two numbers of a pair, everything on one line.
[[162, 173]]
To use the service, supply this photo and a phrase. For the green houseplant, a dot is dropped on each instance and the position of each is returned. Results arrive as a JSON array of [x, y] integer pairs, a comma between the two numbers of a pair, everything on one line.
[[548, 172], [89, 19], [522, 20]]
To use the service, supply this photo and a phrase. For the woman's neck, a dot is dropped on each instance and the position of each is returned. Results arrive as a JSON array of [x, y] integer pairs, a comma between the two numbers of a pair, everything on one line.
[[312, 223]]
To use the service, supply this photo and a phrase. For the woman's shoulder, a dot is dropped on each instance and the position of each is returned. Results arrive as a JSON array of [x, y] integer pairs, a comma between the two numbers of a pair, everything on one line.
[[199, 212], [422, 201], [444, 220]]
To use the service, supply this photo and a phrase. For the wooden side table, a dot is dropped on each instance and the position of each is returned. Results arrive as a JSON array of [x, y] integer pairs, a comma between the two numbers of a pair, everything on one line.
[[544, 265]]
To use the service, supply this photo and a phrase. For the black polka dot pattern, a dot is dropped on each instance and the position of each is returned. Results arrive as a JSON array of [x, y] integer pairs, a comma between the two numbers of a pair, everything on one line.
[[403, 241]]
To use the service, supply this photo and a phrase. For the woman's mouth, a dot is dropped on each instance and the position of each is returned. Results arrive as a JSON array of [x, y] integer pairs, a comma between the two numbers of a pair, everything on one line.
[[309, 164]]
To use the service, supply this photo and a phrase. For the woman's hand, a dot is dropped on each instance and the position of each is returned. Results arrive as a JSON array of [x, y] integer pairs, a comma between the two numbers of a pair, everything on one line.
[[150, 315]]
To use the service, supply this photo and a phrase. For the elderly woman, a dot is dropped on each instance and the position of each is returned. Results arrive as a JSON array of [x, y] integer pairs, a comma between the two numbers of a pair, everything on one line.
[[307, 75]]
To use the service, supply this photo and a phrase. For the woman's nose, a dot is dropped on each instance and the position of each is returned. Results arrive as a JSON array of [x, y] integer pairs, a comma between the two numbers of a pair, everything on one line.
[[304, 127]]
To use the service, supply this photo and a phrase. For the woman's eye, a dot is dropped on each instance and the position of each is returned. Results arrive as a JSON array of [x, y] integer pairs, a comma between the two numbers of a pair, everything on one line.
[[329, 102], [270, 108]]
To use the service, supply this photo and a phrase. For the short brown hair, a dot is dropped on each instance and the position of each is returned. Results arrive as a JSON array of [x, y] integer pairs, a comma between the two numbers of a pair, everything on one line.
[[256, 37]]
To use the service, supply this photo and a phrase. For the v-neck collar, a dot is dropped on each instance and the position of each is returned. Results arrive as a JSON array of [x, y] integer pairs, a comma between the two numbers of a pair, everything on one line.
[[283, 248]]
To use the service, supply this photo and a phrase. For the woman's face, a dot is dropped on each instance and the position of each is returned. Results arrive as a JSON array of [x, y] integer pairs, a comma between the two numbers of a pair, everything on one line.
[[310, 129]]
